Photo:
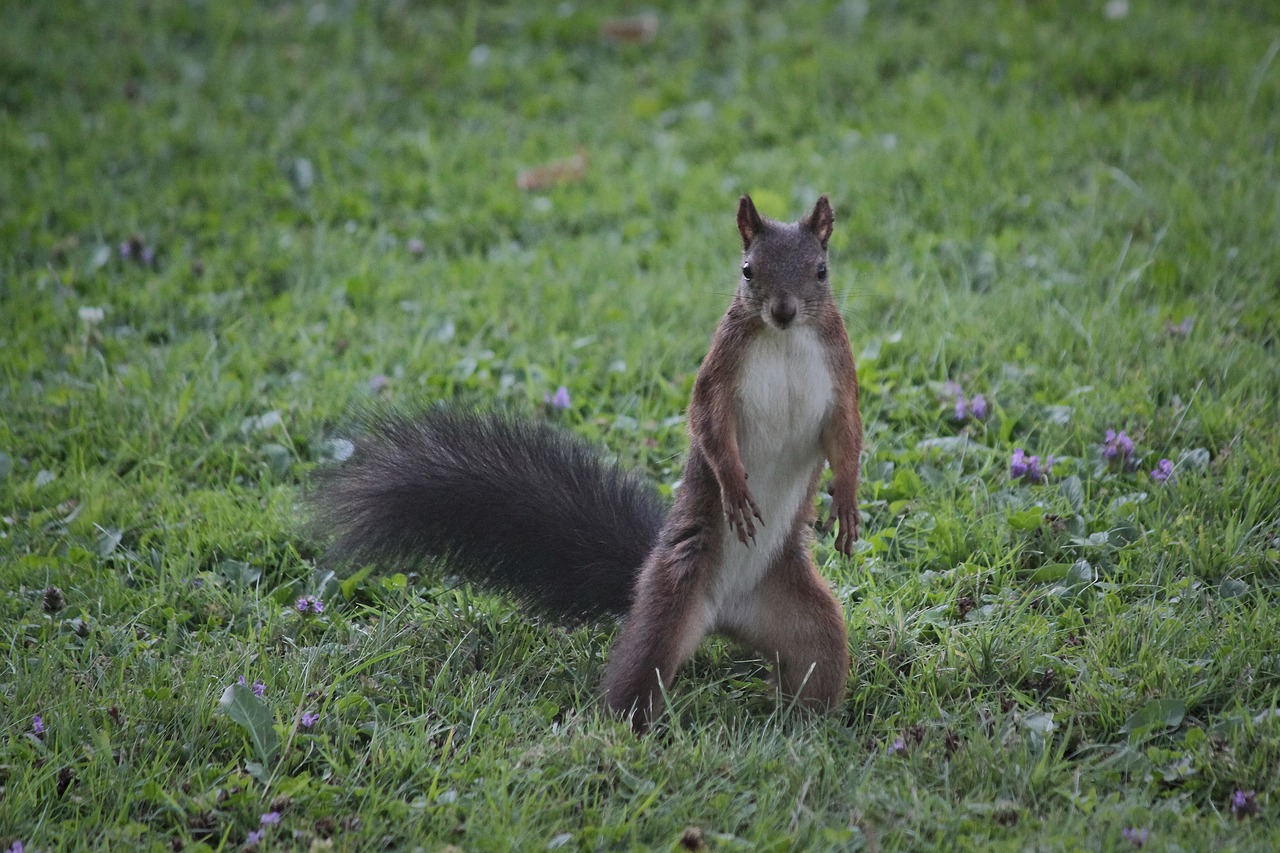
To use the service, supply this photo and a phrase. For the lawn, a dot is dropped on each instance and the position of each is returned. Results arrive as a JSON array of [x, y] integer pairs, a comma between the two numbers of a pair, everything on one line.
[[227, 227]]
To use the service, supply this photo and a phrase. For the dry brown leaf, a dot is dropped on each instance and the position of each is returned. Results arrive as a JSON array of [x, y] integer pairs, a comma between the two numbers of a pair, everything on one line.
[[640, 29], [556, 172]]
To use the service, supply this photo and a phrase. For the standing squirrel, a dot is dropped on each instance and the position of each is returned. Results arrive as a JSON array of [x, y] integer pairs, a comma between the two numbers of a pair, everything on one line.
[[527, 508]]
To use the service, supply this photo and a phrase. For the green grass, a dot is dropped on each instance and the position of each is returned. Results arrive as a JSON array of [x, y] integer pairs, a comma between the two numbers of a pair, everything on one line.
[[1025, 197]]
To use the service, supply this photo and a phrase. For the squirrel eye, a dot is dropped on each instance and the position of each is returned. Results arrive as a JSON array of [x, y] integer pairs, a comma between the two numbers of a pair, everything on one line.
[[746, 271], [822, 272]]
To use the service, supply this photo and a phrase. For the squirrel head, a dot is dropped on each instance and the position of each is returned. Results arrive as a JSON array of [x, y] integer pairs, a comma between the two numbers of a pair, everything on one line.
[[784, 264]]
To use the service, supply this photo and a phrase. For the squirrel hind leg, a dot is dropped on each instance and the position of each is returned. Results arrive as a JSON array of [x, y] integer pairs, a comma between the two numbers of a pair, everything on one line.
[[797, 623], [668, 621]]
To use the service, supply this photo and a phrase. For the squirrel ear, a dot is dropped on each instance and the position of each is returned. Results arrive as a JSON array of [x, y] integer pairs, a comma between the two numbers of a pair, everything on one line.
[[749, 222], [821, 220]]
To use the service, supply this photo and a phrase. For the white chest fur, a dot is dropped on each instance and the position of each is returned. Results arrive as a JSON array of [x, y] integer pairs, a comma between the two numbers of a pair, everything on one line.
[[785, 396]]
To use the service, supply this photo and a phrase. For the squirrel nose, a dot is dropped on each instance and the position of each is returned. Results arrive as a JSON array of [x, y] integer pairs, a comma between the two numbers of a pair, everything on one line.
[[783, 312]]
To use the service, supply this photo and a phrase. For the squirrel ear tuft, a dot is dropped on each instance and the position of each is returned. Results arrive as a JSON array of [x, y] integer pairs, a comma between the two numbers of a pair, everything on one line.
[[820, 221], [749, 222]]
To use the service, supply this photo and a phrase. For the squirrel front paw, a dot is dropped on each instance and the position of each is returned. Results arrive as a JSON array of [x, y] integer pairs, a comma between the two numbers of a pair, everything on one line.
[[739, 508], [848, 517]]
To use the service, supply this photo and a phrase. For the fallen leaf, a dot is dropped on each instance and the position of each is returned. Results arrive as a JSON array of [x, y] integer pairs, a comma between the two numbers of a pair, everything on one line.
[[556, 172], [640, 29]]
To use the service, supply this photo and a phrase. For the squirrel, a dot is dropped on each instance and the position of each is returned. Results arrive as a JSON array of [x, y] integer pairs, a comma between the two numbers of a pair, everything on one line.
[[527, 508]]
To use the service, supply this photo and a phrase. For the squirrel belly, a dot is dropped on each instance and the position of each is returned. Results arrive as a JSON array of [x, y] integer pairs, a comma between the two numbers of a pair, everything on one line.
[[785, 396]]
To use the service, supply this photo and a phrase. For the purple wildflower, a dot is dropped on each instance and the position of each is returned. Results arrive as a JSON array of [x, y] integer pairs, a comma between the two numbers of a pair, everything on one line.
[[255, 837], [1178, 330], [309, 604], [416, 246], [560, 400], [377, 382], [16, 848], [898, 747], [259, 688], [270, 818], [135, 249], [1018, 464], [53, 600], [1117, 447], [1135, 836], [1163, 471], [1244, 803], [309, 719], [975, 408], [1024, 467], [37, 726]]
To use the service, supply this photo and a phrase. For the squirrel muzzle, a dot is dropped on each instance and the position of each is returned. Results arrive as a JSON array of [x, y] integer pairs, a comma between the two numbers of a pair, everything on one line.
[[782, 311]]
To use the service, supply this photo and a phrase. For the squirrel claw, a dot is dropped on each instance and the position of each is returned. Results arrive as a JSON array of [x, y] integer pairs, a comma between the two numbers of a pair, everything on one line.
[[744, 528], [848, 519], [843, 545], [738, 513]]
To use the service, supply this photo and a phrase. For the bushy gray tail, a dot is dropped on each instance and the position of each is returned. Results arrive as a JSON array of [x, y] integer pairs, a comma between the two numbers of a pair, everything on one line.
[[515, 505]]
